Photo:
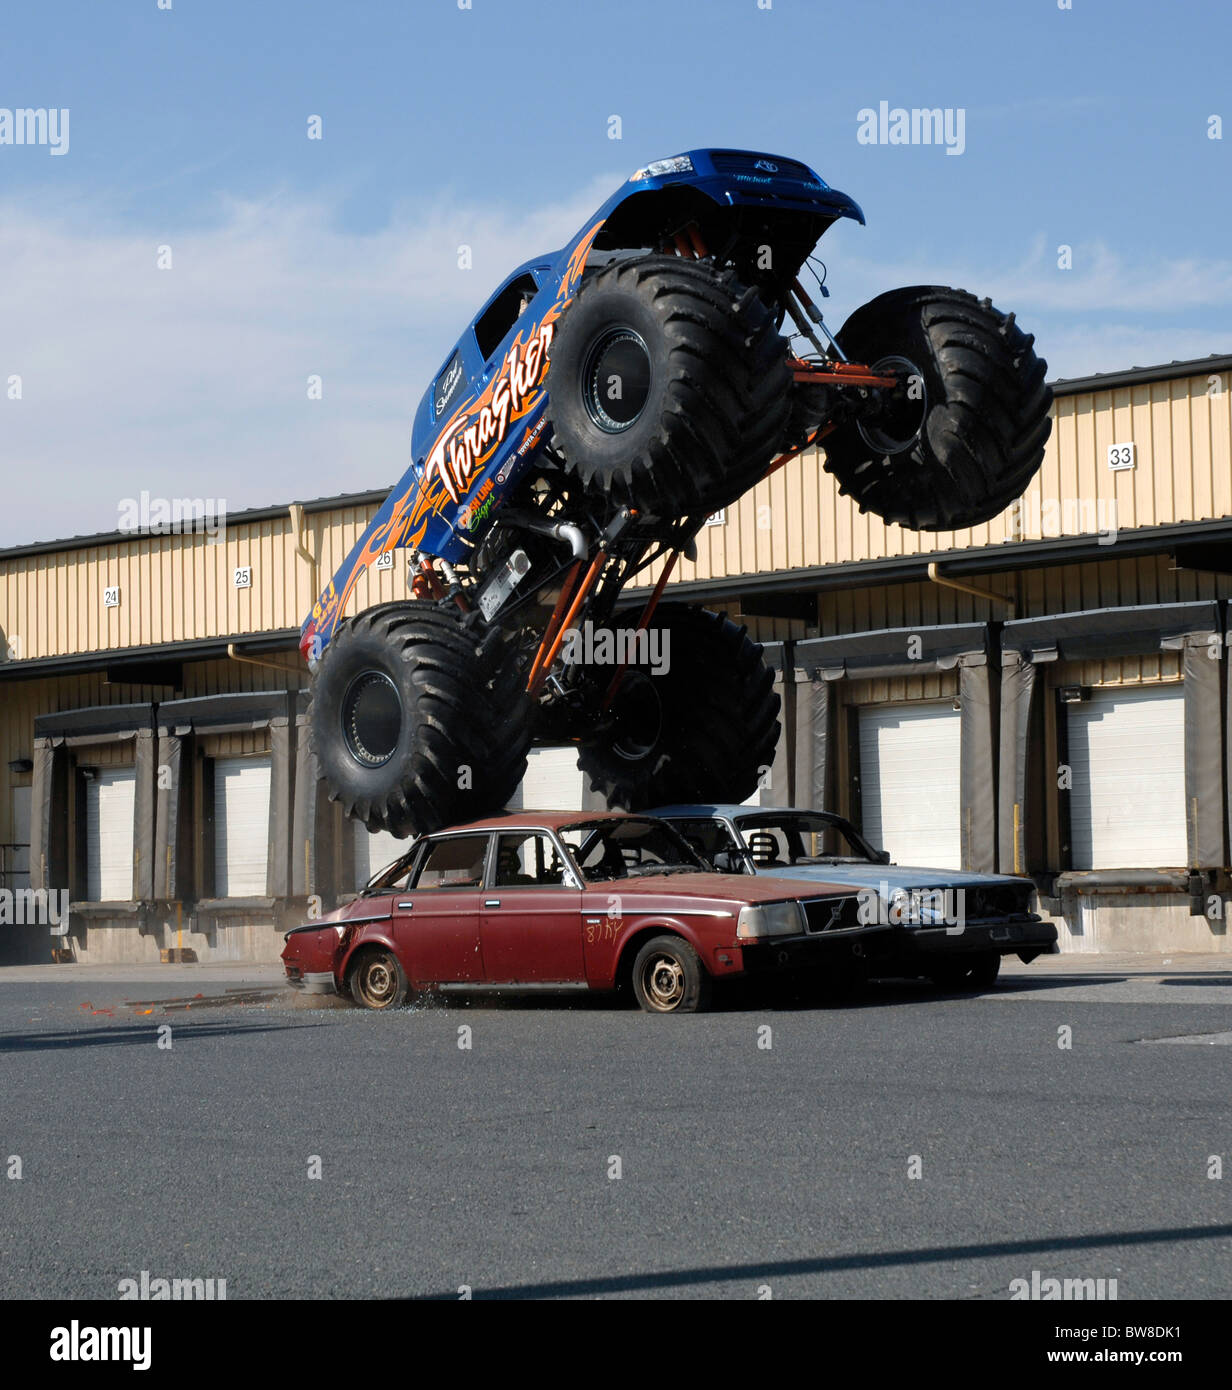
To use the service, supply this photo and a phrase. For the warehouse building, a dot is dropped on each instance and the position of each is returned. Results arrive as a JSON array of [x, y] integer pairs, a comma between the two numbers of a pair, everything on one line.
[[1045, 694]]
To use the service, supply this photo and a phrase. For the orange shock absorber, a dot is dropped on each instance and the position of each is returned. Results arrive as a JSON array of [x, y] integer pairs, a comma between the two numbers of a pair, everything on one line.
[[647, 613], [548, 651], [426, 584], [558, 615]]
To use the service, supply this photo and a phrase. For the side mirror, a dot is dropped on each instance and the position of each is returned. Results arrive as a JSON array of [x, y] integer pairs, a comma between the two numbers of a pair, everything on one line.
[[726, 862], [883, 856]]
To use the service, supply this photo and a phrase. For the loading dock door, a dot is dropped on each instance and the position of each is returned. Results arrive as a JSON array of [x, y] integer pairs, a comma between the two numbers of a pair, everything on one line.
[[553, 782], [1127, 803], [110, 802], [241, 826], [909, 782]]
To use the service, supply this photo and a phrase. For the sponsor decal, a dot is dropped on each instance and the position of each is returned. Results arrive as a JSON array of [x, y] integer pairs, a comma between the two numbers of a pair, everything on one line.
[[447, 386], [462, 450], [480, 505]]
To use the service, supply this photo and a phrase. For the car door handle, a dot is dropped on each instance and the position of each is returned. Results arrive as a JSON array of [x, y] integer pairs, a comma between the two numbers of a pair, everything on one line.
[[492, 902], [407, 905]]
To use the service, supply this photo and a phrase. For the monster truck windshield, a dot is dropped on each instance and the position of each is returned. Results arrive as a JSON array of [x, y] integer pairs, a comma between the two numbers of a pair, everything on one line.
[[628, 848]]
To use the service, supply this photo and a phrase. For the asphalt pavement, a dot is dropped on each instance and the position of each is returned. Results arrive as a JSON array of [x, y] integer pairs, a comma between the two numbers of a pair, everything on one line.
[[905, 1144]]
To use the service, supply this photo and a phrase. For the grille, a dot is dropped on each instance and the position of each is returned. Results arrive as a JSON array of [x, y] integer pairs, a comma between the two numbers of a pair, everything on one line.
[[1001, 901], [831, 914], [730, 161]]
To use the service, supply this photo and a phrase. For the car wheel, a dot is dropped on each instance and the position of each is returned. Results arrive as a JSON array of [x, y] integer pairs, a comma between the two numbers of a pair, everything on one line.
[[669, 978], [378, 981], [969, 973]]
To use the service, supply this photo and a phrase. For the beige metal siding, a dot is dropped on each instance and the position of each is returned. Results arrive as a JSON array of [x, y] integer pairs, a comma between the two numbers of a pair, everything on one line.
[[1183, 433]]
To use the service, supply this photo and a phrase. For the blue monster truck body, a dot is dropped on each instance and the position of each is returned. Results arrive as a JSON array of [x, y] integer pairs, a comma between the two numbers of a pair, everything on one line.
[[604, 401], [480, 424]]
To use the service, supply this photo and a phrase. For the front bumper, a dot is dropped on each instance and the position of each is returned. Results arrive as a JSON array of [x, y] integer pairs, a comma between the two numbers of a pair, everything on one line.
[[312, 981], [787, 953], [1024, 935]]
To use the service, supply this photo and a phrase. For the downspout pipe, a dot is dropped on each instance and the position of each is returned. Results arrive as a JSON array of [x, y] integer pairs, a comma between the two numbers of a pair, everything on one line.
[[935, 575]]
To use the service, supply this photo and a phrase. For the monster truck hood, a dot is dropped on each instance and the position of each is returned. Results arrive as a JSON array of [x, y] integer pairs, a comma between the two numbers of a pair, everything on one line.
[[728, 178], [732, 177]]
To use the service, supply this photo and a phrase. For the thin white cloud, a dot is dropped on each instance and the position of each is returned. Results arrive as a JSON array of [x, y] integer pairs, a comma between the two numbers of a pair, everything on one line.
[[193, 381]]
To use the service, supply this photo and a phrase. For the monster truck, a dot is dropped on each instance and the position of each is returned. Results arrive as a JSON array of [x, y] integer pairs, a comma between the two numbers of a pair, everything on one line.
[[601, 405]]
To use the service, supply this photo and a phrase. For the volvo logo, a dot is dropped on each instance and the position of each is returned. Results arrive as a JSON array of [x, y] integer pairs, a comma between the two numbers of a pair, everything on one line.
[[836, 913], [766, 166]]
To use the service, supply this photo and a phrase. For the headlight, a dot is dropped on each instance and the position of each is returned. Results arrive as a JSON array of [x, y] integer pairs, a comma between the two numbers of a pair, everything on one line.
[[678, 164], [770, 919]]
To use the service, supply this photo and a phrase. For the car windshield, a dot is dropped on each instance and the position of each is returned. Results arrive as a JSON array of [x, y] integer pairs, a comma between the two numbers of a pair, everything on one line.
[[392, 876], [780, 839], [628, 848]]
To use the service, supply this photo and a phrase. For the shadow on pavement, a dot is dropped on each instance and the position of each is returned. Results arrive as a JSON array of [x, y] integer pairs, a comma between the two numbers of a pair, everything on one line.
[[143, 1034], [833, 1264]]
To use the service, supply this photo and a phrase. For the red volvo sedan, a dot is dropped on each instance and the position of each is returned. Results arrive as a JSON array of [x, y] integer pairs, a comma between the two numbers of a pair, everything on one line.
[[570, 900]]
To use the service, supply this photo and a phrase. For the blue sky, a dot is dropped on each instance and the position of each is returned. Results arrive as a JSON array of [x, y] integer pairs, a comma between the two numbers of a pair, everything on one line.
[[489, 126]]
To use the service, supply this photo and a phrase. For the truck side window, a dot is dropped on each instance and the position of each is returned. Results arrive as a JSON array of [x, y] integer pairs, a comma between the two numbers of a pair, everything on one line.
[[500, 316]]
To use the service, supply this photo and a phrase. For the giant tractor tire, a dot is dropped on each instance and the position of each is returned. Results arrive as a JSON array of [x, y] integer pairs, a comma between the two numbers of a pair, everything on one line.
[[964, 434], [668, 389], [703, 728], [415, 724]]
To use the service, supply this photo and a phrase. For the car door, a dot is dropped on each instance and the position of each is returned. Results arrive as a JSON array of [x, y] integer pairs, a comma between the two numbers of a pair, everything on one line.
[[530, 923], [436, 918]]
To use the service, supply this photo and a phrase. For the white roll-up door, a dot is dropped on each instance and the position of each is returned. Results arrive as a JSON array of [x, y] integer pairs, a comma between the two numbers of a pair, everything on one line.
[[110, 803], [553, 782], [1127, 802], [241, 826], [375, 850], [909, 782]]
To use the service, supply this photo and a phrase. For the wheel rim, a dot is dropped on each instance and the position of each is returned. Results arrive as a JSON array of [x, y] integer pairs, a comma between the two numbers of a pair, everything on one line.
[[663, 981], [378, 982], [638, 717], [896, 426], [616, 380], [372, 718]]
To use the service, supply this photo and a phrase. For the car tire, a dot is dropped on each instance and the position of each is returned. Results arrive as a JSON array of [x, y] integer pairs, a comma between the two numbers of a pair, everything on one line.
[[702, 380], [414, 722], [376, 980], [703, 730], [669, 978], [969, 445], [967, 974]]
